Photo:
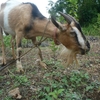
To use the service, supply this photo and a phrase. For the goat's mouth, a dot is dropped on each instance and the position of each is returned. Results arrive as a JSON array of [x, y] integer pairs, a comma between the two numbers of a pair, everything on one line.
[[84, 51]]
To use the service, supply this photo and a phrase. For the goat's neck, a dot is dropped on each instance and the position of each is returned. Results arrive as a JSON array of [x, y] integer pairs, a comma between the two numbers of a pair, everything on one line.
[[45, 27]]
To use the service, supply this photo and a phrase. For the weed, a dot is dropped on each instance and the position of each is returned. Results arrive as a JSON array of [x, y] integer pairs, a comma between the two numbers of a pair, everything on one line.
[[21, 80], [55, 94], [1, 91], [7, 41], [72, 87], [54, 48], [8, 98]]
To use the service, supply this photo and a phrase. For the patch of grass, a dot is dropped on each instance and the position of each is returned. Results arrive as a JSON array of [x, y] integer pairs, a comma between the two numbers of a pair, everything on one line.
[[1, 91], [7, 41], [91, 30], [54, 83], [60, 86], [21, 80], [8, 98], [18, 79]]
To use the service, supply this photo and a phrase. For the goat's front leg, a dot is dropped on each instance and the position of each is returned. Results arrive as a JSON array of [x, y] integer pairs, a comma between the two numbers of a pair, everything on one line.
[[36, 44], [34, 41], [19, 49]]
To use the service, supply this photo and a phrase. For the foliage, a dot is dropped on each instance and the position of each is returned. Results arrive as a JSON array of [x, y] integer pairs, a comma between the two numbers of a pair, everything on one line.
[[54, 83], [73, 86], [93, 29], [7, 41], [8, 98], [20, 80], [98, 6], [84, 10], [87, 11], [53, 47], [66, 6]]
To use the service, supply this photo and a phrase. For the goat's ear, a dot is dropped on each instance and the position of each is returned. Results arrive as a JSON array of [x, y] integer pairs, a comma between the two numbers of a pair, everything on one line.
[[58, 25]]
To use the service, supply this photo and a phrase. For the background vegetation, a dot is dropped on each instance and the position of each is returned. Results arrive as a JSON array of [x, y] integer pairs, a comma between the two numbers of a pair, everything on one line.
[[87, 12], [58, 82]]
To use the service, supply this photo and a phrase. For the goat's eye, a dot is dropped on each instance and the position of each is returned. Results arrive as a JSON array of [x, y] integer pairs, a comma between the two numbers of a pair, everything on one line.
[[72, 33]]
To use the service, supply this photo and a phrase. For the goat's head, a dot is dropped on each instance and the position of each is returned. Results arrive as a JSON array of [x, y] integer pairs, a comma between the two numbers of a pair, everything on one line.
[[71, 36]]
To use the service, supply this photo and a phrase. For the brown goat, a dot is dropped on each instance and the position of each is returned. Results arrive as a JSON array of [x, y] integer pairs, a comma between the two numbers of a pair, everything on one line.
[[25, 20]]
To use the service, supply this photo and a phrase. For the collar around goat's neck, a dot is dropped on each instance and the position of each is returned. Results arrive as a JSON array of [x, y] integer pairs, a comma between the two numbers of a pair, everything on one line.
[[55, 35]]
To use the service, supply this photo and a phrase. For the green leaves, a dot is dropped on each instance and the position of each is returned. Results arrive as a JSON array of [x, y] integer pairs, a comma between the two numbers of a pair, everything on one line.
[[56, 93], [72, 86], [20, 80], [85, 10]]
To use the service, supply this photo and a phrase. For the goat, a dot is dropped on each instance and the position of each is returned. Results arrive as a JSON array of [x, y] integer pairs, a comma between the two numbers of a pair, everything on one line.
[[25, 20]]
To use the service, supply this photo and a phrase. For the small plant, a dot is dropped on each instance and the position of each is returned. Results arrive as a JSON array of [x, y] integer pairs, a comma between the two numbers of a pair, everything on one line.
[[93, 29], [53, 47], [66, 87], [55, 94], [8, 98], [7, 40], [1, 91], [21, 80]]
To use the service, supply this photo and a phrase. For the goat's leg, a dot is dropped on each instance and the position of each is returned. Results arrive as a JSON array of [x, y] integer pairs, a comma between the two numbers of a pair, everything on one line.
[[34, 41], [18, 49], [36, 44], [12, 45], [3, 49], [3, 54], [40, 53]]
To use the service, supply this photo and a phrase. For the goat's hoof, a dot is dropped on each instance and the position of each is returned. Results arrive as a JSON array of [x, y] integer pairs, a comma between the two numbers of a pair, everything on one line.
[[2, 65], [20, 70]]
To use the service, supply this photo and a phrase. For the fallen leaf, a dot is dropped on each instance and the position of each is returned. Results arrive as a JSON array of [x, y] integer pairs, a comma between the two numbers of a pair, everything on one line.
[[15, 93]]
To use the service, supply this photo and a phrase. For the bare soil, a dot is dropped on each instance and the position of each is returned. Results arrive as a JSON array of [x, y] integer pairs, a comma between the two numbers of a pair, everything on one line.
[[89, 63]]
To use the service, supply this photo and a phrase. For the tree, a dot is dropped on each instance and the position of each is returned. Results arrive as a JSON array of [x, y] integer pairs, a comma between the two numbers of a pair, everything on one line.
[[65, 6], [87, 11]]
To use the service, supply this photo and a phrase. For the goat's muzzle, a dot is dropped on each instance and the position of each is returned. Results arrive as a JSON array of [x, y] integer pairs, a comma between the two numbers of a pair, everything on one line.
[[86, 49]]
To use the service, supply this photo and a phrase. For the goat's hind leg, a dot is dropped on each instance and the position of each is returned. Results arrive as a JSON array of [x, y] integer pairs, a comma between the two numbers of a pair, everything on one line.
[[13, 47], [3, 48]]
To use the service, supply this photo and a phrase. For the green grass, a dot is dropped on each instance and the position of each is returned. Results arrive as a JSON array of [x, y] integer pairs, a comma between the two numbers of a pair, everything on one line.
[[73, 86], [52, 84], [91, 30]]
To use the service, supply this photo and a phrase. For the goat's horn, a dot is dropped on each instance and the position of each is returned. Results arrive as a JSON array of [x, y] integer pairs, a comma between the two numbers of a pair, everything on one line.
[[68, 18], [72, 18]]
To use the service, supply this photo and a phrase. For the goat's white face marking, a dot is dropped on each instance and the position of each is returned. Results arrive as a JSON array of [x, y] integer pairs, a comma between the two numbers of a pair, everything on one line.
[[9, 6], [79, 36]]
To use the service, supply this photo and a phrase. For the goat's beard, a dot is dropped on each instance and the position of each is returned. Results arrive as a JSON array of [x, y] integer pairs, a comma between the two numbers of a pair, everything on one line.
[[68, 56]]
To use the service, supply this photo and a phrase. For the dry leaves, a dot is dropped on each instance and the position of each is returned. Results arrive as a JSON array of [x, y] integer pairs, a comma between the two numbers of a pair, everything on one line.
[[15, 93]]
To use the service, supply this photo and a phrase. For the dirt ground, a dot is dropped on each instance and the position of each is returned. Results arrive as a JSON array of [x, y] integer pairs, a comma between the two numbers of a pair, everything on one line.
[[89, 63]]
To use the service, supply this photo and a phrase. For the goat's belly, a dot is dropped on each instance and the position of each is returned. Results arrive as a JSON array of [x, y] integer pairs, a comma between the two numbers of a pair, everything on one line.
[[8, 30]]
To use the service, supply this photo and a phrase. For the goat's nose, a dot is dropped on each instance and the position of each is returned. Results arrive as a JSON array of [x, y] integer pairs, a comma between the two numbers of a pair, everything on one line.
[[88, 46]]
